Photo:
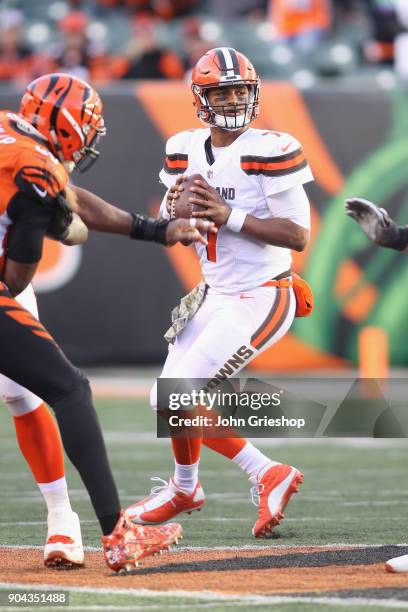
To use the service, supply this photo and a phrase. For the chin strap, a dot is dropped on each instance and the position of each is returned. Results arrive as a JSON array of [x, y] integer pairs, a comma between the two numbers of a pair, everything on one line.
[[146, 228]]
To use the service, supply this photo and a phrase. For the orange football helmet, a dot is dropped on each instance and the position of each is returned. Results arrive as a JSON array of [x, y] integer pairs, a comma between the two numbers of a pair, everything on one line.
[[223, 67], [68, 113]]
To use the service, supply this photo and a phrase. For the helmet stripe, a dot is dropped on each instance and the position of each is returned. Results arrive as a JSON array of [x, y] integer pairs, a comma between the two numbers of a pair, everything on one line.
[[228, 58], [58, 103], [53, 81], [221, 59], [86, 95], [228, 61], [235, 63]]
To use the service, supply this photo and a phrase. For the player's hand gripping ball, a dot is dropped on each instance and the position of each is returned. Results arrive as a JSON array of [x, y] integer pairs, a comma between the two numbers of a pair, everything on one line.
[[178, 204]]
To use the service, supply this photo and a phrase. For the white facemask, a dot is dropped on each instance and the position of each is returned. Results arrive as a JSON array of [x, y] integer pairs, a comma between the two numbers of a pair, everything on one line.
[[232, 123]]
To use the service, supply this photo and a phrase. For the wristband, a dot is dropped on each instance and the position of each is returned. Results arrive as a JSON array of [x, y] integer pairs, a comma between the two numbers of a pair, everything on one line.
[[236, 220], [400, 243], [146, 228]]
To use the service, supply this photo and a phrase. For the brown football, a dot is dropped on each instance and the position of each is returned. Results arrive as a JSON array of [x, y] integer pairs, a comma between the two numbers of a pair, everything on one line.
[[181, 208]]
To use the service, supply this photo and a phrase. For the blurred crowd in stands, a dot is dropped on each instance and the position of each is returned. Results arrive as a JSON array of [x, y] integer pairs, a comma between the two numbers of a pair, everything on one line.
[[107, 40]]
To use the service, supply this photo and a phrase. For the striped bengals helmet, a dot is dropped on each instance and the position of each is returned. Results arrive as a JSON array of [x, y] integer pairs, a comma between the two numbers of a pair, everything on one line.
[[223, 67], [68, 113]]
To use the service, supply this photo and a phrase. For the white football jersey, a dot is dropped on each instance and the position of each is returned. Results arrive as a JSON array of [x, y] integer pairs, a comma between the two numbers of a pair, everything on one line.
[[256, 165]]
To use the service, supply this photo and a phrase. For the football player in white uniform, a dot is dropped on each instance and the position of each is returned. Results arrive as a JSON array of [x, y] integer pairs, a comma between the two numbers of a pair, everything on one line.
[[254, 193], [383, 231]]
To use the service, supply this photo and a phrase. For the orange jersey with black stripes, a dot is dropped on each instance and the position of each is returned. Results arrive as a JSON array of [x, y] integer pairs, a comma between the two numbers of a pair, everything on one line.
[[26, 165], [252, 174]]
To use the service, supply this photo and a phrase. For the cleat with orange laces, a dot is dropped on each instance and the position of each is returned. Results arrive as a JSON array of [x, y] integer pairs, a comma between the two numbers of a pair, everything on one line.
[[272, 491], [128, 543], [165, 502]]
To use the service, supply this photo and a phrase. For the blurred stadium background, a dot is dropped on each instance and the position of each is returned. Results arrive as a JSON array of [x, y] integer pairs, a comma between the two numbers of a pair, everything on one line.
[[332, 75]]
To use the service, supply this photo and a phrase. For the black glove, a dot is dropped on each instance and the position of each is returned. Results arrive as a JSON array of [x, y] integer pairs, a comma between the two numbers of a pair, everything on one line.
[[60, 222], [377, 224]]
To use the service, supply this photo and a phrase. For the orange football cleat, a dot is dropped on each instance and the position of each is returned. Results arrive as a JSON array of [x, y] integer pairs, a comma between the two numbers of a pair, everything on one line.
[[164, 503], [273, 490], [128, 543]]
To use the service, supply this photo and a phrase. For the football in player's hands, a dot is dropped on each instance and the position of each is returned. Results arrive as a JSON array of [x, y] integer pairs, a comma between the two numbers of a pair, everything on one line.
[[180, 207]]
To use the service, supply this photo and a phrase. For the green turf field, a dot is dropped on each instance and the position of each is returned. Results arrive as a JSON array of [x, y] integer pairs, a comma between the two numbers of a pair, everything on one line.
[[352, 494]]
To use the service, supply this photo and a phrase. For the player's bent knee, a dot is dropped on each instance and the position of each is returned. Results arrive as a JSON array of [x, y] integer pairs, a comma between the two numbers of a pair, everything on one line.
[[18, 399], [80, 394]]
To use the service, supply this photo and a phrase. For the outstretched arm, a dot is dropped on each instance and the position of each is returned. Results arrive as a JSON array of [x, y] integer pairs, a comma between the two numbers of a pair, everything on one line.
[[377, 224], [101, 216]]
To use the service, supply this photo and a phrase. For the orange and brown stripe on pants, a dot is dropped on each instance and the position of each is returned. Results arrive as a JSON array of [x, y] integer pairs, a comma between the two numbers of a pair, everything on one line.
[[273, 320]]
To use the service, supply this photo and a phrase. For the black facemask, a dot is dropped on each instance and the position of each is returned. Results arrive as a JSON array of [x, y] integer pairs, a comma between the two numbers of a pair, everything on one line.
[[89, 153]]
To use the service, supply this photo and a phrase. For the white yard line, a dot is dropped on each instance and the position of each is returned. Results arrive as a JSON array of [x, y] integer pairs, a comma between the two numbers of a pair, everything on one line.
[[226, 498], [211, 596], [119, 608], [34, 523], [400, 502], [34, 547], [226, 519], [370, 443], [245, 547], [211, 519], [146, 607], [392, 604]]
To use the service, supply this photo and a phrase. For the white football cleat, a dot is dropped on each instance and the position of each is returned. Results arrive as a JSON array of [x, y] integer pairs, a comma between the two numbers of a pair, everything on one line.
[[398, 565], [63, 548]]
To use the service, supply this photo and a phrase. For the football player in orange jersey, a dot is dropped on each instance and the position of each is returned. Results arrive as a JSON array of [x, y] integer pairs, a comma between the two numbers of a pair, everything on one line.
[[57, 128], [252, 188]]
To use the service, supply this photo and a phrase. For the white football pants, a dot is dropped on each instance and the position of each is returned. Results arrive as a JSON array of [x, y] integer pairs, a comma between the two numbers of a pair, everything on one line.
[[228, 332]]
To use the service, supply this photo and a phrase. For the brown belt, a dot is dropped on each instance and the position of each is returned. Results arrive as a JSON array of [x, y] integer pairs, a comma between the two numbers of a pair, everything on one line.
[[281, 280]]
